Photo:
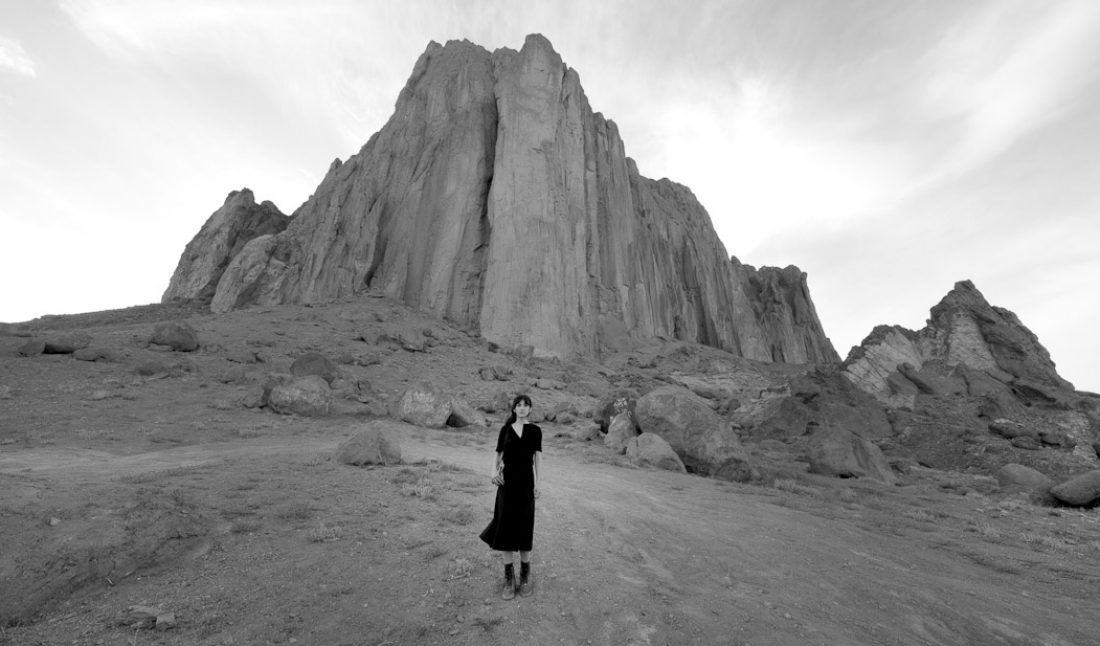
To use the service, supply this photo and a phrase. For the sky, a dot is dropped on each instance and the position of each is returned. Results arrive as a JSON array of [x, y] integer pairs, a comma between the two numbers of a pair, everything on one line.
[[888, 148]]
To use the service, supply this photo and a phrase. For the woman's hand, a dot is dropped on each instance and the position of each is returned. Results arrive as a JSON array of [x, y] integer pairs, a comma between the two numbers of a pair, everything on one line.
[[537, 491], [498, 479]]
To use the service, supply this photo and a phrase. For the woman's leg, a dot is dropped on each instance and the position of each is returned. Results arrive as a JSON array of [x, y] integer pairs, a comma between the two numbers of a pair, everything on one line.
[[509, 590], [524, 582]]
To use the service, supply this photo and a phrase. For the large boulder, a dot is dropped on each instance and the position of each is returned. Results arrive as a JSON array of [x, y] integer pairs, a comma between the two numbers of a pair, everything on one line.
[[177, 335], [1017, 477], [370, 446], [651, 450], [67, 342], [837, 452], [620, 433], [422, 405], [702, 439], [1080, 490], [308, 396], [315, 363], [813, 400]]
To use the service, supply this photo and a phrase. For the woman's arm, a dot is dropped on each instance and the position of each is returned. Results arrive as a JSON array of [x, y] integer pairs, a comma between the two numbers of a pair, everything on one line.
[[498, 471], [537, 464]]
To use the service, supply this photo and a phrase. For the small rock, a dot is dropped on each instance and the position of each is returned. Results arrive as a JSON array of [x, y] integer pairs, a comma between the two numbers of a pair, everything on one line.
[[67, 343], [177, 335], [31, 348]]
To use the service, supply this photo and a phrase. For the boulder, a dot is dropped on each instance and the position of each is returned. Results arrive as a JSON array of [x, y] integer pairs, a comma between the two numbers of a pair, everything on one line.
[[308, 396], [1080, 490], [1057, 439], [1009, 429], [620, 433], [1026, 442], [1017, 477], [837, 452], [105, 355], [422, 405], [463, 414], [736, 469], [615, 404], [315, 363], [67, 342], [177, 335], [702, 439], [31, 348], [651, 450], [370, 446]]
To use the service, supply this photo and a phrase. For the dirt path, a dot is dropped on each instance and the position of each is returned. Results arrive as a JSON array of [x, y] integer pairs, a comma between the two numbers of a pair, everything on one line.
[[628, 556]]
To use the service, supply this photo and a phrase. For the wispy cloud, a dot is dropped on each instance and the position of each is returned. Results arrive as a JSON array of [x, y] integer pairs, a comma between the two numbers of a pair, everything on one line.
[[14, 58], [1008, 71]]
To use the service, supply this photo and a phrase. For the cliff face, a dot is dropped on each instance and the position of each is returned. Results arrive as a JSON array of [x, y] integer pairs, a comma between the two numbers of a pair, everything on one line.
[[968, 346], [497, 199], [226, 232]]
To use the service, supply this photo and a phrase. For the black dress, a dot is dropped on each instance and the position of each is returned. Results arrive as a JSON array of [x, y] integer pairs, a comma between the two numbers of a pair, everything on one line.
[[513, 524]]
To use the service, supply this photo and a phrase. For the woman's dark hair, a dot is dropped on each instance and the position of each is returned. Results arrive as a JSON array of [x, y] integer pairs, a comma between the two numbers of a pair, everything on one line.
[[519, 398]]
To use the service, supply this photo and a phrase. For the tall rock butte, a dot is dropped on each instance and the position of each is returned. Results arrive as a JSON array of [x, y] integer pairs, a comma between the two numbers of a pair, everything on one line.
[[495, 198]]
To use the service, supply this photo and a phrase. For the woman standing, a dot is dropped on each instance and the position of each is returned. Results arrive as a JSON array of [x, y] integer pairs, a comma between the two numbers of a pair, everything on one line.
[[516, 475]]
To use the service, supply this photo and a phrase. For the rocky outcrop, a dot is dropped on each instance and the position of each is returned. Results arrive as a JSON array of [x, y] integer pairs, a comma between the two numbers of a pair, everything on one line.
[[221, 238], [968, 347], [702, 439], [495, 198]]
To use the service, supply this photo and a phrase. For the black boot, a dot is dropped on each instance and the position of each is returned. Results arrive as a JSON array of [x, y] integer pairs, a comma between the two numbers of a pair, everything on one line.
[[525, 585], [509, 591]]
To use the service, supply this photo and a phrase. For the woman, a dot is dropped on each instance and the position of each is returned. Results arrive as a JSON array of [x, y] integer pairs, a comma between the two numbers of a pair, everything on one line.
[[516, 475]]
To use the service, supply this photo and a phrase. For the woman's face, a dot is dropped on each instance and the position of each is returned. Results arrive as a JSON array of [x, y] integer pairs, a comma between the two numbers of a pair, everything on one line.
[[522, 409]]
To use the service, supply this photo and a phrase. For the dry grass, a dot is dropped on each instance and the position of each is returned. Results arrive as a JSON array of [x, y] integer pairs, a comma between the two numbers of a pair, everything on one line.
[[324, 533]]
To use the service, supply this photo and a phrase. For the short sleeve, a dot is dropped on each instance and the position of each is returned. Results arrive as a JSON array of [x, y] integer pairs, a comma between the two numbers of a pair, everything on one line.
[[500, 438], [538, 440]]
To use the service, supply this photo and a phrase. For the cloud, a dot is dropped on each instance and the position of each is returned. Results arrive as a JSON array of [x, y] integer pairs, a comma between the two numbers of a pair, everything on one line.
[[1008, 71], [14, 58]]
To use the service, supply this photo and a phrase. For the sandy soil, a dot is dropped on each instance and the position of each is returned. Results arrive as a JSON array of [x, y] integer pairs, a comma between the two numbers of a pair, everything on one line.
[[164, 493]]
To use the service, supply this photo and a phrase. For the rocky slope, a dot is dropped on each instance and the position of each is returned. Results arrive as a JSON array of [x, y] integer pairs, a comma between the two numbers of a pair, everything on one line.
[[496, 199], [974, 388]]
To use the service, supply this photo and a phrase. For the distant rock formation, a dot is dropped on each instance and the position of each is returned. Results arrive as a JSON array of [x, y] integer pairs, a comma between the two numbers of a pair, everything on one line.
[[968, 347], [495, 198], [239, 221]]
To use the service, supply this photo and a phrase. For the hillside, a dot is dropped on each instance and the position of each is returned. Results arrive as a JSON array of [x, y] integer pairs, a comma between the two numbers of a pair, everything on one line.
[[151, 477]]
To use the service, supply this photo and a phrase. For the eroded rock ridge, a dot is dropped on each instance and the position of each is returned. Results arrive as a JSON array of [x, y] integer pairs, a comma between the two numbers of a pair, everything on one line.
[[495, 198]]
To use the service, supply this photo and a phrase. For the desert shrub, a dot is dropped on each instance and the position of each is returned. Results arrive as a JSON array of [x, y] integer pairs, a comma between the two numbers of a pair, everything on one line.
[[324, 533], [792, 486], [422, 489], [294, 511], [919, 515], [847, 494], [460, 515], [406, 475], [459, 568], [985, 530], [245, 526]]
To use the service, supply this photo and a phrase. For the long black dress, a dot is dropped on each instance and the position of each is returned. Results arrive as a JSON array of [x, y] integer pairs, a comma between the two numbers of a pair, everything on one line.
[[513, 524]]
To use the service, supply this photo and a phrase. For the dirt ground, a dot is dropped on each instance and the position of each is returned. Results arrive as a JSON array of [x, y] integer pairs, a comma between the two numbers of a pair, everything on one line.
[[161, 490]]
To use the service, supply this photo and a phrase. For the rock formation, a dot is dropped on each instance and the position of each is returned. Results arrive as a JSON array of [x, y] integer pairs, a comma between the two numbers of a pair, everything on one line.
[[967, 347], [495, 198], [975, 389], [221, 238]]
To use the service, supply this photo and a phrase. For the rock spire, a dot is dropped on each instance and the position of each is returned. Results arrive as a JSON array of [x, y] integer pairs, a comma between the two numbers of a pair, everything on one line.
[[495, 198]]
